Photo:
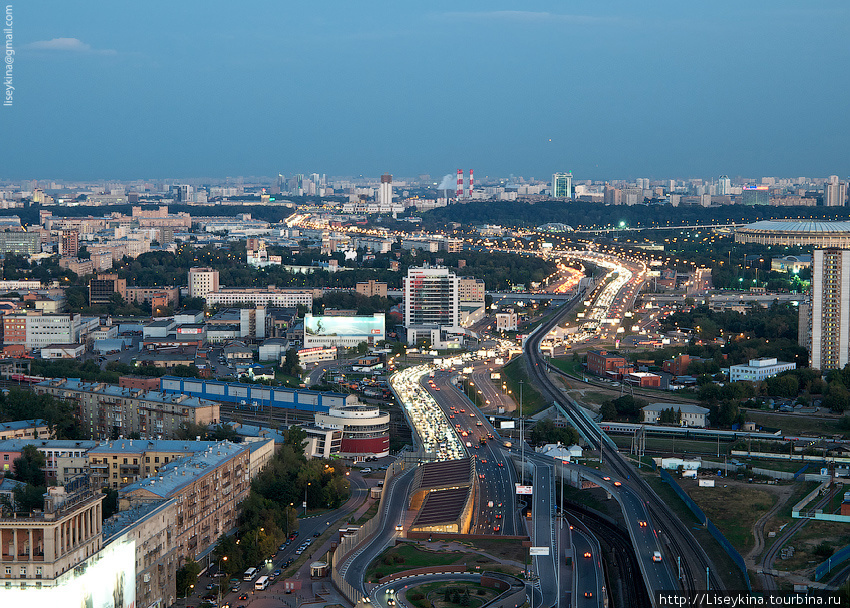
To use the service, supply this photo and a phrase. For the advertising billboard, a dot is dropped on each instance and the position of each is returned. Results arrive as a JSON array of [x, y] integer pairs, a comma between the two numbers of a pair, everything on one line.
[[507, 424], [521, 489], [324, 330], [105, 580]]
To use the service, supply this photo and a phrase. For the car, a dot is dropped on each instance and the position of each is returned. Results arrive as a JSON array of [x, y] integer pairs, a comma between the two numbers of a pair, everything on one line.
[[283, 546], [656, 556], [276, 572], [209, 597], [299, 551], [243, 597], [234, 589], [472, 414], [498, 516], [317, 534], [391, 602], [588, 594], [451, 415], [499, 505], [399, 527], [481, 476], [642, 523], [211, 586], [219, 574], [484, 460], [496, 528], [501, 464], [462, 411], [606, 478], [587, 555], [617, 483], [437, 388]]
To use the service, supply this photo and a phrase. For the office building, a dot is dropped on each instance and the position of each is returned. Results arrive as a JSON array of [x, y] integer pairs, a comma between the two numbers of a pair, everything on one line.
[[757, 195], [20, 242], [365, 430], [691, 415], [280, 298], [202, 281], [562, 185], [834, 192], [371, 288], [829, 346], [102, 288], [431, 303]]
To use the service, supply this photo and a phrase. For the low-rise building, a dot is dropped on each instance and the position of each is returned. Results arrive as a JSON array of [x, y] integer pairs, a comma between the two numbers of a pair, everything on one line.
[[759, 369], [371, 288], [506, 321], [691, 415], [260, 297], [316, 354], [25, 429], [608, 365], [365, 430], [63, 351]]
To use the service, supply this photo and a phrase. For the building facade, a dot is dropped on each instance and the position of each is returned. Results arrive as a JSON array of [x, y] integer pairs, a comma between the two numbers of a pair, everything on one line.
[[202, 281], [365, 430], [431, 301], [562, 185], [759, 369], [829, 317]]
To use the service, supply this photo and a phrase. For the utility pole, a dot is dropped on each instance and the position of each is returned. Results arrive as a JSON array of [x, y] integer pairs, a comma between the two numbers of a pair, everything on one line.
[[521, 433]]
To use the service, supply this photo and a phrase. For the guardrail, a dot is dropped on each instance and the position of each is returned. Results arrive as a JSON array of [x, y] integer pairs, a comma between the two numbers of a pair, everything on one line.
[[836, 558], [709, 525], [349, 543]]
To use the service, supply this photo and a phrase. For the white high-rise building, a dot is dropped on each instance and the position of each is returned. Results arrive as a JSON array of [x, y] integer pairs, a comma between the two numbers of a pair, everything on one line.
[[829, 338], [562, 185], [202, 281], [724, 185], [431, 304], [834, 192], [385, 193]]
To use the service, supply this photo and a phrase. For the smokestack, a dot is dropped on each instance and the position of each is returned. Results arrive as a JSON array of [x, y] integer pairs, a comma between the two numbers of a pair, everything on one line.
[[459, 189], [470, 183]]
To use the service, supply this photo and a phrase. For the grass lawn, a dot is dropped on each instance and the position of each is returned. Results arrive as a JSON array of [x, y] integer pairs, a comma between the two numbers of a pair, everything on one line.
[[683, 447], [733, 509], [532, 400], [790, 423], [368, 514], [568, 365], [589, 498], [502, 549], [779, 465], [834, 534], [732, 576], [784, 515], [433, 595]]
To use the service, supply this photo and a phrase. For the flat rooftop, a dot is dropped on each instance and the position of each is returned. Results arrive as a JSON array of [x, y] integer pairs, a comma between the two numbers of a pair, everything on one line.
[[442, 506], [446, 473]]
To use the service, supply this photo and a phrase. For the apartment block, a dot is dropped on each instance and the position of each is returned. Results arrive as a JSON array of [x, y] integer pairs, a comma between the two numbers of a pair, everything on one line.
[[371, 288], [102, 288], [107, 411], [208, 489], [120, 462]]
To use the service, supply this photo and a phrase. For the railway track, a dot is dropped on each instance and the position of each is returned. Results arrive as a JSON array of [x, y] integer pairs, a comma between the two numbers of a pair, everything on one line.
[[676, 534]]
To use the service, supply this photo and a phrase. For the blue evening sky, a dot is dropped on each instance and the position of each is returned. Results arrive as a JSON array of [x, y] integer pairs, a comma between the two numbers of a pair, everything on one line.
[[604, 88]]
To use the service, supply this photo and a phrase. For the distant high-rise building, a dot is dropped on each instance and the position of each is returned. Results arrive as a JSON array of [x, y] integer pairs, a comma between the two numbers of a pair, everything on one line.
[[612, 195], [562, 185], [385, 191], [182, 193], [758, 195], [724, 185], [829, 313], [834, 192], [69, 246]]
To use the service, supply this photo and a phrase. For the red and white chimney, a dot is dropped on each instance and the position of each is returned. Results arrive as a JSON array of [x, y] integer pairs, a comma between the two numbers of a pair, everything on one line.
[[470, 183], [459, 190]]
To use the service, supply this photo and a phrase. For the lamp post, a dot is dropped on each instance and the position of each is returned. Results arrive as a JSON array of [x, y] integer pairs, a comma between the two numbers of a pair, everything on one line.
[[224, 558], [309, 483]]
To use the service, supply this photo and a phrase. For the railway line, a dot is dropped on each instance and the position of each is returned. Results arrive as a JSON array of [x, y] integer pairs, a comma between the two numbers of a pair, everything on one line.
[[675, 534]]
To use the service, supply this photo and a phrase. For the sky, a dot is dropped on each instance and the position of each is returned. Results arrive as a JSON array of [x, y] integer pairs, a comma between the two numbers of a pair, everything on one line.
[[608, 90]]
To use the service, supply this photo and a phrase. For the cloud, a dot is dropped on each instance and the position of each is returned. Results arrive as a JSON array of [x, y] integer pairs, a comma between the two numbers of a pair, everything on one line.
[[521, 16], [66, 45]]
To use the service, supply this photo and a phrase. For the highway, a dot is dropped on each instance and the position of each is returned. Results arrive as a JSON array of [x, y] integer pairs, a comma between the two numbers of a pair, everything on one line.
[[395, 506], [544, 532], [676, 535], [589, 577], [499, 476]]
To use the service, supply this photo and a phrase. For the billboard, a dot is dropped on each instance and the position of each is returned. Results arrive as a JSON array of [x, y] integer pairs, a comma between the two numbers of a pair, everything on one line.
[[538, 551], [105, 580], [521, 489], [343, 327], [507, 424]]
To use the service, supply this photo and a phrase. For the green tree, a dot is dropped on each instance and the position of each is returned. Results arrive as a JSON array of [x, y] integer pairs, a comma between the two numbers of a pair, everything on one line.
[[29, 466], [29, 497], [608, 410], [187, 576], [296, 438]]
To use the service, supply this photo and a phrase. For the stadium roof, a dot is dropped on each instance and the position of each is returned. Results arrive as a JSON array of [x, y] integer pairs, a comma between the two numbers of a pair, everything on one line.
[[797, 226]]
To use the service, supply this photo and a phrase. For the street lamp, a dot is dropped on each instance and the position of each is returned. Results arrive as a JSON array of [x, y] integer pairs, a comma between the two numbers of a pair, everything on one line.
[[220, 577], [309, 483]]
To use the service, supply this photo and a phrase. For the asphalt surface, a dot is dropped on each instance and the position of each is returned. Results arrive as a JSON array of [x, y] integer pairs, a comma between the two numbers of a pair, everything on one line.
[[589, 576]]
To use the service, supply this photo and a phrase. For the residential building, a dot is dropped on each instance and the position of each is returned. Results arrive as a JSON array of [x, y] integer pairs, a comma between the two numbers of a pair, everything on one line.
[[506, 321], [759, 369], [322, 442], [69, 243], [562, 185], [834, 192], [431, 303], [316, 354], [829, 313], [106, 411], [371, 288], [102, 287], [208, 488], [25, 429], [139, 295], [692, 415], [678, 366], [202, 281], [471, 289], [36, 549], [77, 266], [385, 193], [120, 462]]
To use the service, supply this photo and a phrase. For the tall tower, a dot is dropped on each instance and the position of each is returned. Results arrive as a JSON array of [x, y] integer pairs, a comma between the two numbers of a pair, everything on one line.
[[470, 183], [459, 189], [385, 192], [834, 192], [562, 185], [830, 309]]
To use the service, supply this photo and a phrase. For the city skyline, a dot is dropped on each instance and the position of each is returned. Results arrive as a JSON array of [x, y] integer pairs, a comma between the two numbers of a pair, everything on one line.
[[107, 92]]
